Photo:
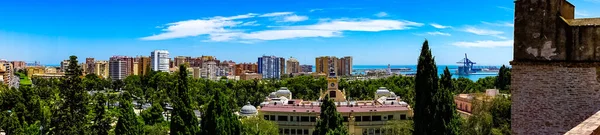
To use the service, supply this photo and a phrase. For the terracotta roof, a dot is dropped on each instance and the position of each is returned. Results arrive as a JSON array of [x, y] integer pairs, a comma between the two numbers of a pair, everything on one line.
[[584, 22], [317, 109]]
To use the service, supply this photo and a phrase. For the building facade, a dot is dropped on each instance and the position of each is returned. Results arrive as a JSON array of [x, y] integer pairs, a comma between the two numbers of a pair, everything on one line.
[[250, 76], [101, 68], [555, 78], [160, 60], [363, 117], [64, 65], [118, 67], [345, 66], [209, 70], [270, 67], [143, 64], [306, 68], [242, 68], [324, 64], [293, 66], [19, 64], [90, 65]]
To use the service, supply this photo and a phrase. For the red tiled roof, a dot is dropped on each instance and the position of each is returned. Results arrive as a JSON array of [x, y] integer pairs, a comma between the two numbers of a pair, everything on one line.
[[317, 109]]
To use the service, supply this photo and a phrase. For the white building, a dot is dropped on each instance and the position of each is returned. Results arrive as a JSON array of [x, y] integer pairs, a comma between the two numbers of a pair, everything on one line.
[[159, 60], [209, 70]]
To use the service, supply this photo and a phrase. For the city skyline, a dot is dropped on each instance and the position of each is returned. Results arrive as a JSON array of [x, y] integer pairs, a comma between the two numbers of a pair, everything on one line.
[[373, 32]]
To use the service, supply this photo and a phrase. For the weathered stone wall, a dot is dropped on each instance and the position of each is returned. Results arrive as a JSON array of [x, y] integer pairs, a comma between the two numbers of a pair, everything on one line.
[[551, 99]]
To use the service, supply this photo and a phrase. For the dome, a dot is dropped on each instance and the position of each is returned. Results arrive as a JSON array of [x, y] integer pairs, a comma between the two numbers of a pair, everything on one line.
[[283, 91], [248, 109], [383, 91]]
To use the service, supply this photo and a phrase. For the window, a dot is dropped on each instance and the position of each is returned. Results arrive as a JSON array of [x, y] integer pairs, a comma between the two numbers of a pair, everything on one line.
[[377, 118], [266, 117], [304, 119], [272, 117], [390, 117], [332, 94], [280, 131], [293, 131], [282, 118], [403, 116], [286, 131], [345, 119], [313, 119], [357, 118], [366, 118], [299, 131], [306, 132]]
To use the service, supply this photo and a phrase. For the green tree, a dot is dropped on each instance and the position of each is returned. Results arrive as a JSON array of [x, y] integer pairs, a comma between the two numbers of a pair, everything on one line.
[[446, 80], [259, 126], [434, 108], [330, 121], [184, 120], [503, 79], [153, 115], [102, 123], [398, 127], [11, 123], [480, 122], [69, 118], [426, 83], [218, 118], [127, 123]]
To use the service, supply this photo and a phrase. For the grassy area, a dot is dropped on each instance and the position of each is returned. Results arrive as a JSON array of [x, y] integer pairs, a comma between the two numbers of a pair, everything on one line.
[[24, 80]]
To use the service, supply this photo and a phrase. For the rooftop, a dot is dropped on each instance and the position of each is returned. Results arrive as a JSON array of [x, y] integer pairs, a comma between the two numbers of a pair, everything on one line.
[[584, 22]]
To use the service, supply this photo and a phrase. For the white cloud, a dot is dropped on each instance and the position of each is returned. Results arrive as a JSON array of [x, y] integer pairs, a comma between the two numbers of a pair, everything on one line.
[[439, 26], [485, 44], [222, 29], [316, 9], [438, 33], [502, 24], [289, 34], [506, 8], [274, 14], [361, 25], [484, 32], [582, 14], [294, 18], [381, 14]]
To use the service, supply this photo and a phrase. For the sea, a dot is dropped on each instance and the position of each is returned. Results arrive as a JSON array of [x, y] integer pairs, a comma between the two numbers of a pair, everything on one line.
[[440, 68]]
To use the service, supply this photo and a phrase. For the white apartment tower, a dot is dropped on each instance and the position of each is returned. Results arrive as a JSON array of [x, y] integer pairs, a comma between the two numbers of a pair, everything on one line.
[[159, 60]]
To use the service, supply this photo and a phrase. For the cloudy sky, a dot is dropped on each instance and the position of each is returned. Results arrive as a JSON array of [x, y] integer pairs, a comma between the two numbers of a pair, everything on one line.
[[372, 31]]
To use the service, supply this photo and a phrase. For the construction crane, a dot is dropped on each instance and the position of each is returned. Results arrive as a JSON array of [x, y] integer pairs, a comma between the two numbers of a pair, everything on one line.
[[466, 67]]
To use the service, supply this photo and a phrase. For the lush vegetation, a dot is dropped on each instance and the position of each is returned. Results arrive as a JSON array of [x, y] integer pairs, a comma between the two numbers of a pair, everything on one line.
[[88, 104], [330, 121]]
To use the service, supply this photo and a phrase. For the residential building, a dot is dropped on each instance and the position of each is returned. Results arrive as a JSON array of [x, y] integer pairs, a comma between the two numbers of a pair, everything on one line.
[[19, 64], [281, 66], [209, 70], [6, 71], [306, 68], [160, 60], [143, 64], [36, 70], [250, 76], [64, 65], [181, 60], [101, 68], [464, 102], [269, 67], [362, 117], [327, 65], [196, 72], [130, 63], [49, 70], [90, 65], [118, 67], [293, 66], [345, 66], [246, 68], [135, 69]]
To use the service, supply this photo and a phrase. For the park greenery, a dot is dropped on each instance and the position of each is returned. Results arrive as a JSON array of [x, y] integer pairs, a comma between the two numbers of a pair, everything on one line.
[[89, 104]]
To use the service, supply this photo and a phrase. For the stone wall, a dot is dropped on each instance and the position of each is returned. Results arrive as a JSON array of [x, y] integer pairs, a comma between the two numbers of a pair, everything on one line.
[[552, 98]]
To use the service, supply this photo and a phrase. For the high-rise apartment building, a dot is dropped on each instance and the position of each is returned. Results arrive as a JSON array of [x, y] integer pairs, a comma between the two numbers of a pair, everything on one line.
[[345, 66], [160, 60], [306, 68], [342, 66], [269, 66], [90, 66], [245, 68], [101, 68], [324, 63], [143, 64], [293, 66], [281, 66], [63, 65], [209, 70], [131, 62], [181, 60], [118, 67], [19, 64]]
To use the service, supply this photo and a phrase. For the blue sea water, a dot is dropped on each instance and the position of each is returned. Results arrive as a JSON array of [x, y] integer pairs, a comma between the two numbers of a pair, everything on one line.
[[440, 68]]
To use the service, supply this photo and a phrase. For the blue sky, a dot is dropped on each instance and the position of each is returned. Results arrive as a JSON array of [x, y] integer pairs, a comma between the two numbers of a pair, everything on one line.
[[372, 31]]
